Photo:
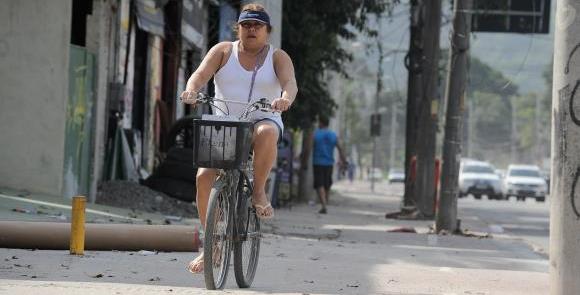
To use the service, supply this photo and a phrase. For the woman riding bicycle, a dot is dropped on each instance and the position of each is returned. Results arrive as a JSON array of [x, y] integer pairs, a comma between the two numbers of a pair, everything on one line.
[[246, 70]]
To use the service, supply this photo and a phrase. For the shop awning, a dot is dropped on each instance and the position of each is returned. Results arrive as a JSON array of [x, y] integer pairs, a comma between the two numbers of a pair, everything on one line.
[[150, 17], [192, 22]]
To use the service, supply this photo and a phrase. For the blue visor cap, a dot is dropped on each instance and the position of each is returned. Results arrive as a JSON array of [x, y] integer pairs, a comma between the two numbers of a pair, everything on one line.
[[260, 16]]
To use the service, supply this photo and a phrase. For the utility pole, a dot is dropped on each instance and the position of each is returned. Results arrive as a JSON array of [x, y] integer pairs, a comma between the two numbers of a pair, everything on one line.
[[565, 192], [393, 133], [470, 128], [455, 97], [427, 111], [413, 63], [514, 137], [377, 114], [538, 155]]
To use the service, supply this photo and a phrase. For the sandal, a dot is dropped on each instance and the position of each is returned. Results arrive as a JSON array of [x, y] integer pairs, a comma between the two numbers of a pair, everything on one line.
[[261, 211], [195, 266]]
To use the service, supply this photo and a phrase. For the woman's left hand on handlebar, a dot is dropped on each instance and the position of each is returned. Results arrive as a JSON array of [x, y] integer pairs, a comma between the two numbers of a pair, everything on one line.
[[189, 97], [281, 104]]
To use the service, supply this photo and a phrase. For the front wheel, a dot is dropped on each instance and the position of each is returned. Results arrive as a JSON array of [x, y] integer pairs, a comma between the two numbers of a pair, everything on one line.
[[247, 241], [217, 244]]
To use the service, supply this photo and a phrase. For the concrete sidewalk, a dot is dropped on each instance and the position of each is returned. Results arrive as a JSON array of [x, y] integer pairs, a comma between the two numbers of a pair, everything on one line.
[[348, 251]]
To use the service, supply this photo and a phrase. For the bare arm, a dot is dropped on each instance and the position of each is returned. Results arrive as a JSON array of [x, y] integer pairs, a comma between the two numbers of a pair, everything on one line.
[[340, 152], [285, 72], [208, 67]]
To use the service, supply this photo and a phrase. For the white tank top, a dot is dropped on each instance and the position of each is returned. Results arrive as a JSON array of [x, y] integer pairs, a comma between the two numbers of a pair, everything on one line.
[[232, 82]]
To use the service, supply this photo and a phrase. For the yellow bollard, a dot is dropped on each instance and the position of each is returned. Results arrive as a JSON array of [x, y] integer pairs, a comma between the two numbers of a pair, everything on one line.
[[77, 229]]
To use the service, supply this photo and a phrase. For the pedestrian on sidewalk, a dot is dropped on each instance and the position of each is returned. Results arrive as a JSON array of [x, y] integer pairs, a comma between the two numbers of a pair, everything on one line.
[[350, 169], [324, 141], [246, 70]]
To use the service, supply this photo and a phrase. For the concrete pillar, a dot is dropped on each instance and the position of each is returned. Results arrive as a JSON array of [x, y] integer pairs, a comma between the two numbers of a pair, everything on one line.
[[565, 198], [99, 38], [34, 64]]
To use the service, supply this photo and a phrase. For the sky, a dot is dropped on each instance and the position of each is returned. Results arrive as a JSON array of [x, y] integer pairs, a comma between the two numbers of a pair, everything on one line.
[[522, 58]]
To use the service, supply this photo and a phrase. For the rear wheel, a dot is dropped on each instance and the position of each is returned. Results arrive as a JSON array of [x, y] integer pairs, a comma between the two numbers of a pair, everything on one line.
[[541, 199], [247, 243], [217, 244], [477, 196]]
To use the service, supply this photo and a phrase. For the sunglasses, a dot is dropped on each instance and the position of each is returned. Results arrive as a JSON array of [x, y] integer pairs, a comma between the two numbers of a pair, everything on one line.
[[249, 25]]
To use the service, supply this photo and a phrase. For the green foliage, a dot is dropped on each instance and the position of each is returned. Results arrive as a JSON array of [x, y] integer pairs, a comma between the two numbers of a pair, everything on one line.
[[493, 98], [489, 103], [484, 78], [492, 121], [525, 116], [310, 35]]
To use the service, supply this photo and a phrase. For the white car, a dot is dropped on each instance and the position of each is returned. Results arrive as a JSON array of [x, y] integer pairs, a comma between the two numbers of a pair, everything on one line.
[[525, 181], [396, 175], [376, 174], [479, 178]]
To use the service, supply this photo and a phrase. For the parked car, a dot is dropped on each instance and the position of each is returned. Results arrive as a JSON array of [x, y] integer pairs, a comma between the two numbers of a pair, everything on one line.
[[376, 174], [396, 175], [546, 176], [500, 173], [525, 181], [479, 178]]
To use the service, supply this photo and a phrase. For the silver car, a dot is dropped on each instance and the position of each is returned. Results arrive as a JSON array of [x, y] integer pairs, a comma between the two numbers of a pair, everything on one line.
[[479, 178], [396, 175], [525, 181]]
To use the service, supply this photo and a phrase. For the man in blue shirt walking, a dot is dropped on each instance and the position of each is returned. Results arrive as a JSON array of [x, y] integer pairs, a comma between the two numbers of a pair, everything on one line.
[[324, 142]]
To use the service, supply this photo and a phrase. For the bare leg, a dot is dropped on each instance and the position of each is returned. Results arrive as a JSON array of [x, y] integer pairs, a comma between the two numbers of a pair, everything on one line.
[[265, 151], [204, 182], [322, 197]]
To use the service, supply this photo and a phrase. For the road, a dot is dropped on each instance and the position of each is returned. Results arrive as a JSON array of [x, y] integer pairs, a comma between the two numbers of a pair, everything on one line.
[[529, 220], [351, 250]]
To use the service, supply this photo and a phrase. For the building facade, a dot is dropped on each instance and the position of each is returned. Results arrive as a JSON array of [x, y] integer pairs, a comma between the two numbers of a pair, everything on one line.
[[88, 89]]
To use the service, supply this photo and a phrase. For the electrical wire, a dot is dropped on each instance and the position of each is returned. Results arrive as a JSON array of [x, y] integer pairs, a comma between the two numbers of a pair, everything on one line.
[[532, 37]]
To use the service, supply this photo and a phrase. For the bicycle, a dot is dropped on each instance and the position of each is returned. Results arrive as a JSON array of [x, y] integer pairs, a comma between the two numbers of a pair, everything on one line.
[[231, 220]]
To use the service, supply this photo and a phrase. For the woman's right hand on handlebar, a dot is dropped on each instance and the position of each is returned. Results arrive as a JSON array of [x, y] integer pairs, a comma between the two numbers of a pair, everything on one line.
[[189, 97]]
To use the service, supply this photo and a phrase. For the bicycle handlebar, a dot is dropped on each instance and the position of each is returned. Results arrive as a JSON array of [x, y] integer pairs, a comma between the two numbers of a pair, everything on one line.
[[261, 104]]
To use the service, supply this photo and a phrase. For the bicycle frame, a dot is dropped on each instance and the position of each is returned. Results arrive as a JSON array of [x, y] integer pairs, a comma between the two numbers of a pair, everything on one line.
[[234, 179]]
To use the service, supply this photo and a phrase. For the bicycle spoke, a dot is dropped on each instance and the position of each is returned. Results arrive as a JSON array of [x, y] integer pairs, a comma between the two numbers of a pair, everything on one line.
[[218, 241]]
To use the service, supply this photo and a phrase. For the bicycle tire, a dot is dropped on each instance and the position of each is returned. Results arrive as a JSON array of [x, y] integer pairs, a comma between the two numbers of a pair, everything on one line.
[[218, 232], [247, 242]]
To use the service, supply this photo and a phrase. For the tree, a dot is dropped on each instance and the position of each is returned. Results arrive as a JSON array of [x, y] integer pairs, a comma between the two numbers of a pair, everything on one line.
[[311, 33], [484, 78], [492, 96], [489, 102]]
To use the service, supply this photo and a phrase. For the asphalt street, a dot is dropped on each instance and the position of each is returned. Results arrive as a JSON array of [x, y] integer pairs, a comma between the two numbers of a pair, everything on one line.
[[527, 220], [351, 250]]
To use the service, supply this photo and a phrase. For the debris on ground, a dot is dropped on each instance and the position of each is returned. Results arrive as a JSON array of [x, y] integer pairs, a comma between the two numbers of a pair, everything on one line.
[[471, 234], [462, 232], [20, 210], [403, 230], [147, 253], [132, 195], [408, 213], [355, 285]]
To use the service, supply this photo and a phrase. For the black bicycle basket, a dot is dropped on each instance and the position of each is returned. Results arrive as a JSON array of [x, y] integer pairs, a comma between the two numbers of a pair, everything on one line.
[[221, 144]]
